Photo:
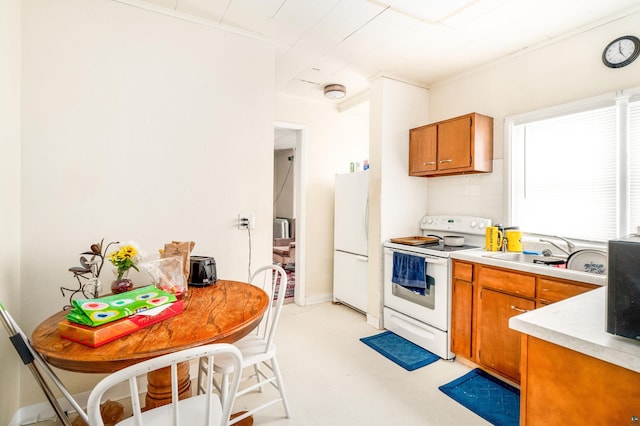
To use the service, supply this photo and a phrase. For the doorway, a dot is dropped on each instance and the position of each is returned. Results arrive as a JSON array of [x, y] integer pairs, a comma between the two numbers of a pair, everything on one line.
[[289, 201]]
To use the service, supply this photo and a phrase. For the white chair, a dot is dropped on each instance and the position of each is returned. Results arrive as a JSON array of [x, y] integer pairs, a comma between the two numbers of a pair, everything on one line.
[[39, 368], [203, 409], [258, 349]]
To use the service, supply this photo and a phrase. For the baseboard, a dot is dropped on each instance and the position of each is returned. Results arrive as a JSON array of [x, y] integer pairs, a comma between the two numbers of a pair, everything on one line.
[[43, 411], [319, 299], [374, 322]]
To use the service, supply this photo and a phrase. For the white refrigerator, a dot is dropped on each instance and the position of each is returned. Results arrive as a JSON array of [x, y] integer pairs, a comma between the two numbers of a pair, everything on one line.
[[350, 239]]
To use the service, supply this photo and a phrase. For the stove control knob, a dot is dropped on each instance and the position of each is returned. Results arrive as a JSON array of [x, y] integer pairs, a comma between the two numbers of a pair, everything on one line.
[[429, 221], [482, 225], [473, 224]]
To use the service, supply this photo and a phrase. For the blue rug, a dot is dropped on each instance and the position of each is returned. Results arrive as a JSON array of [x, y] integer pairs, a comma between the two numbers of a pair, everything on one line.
[[493, 400], [399, 350]]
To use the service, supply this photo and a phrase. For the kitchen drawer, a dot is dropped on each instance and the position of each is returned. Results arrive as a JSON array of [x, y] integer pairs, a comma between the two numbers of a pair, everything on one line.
[[550, 291], [463, 271], [507, 281]]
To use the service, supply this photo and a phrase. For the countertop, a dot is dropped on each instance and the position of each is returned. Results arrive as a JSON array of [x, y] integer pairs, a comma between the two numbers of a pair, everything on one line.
[[480, 256], [578, 323]]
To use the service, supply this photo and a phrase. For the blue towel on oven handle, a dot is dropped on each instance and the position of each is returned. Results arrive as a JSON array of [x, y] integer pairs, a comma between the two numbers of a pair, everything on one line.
[[410, 272]]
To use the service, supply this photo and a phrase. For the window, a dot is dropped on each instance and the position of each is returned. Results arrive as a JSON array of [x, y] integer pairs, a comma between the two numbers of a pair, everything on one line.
[[574, 171]]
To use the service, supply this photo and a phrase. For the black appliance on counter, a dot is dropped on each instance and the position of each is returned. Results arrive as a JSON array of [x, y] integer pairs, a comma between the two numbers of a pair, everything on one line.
[[203, 271], [623, 287]]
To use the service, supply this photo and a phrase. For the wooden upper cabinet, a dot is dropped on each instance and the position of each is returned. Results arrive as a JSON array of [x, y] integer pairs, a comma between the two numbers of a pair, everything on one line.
[[455, 146], [423, 150], [454, 143]]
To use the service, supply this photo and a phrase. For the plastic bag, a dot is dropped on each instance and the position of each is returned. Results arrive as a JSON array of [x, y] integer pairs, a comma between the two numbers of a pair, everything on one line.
[[167, 274]]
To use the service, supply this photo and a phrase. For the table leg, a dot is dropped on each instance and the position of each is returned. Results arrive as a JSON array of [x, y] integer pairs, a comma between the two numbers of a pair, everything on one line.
[[159, 385]]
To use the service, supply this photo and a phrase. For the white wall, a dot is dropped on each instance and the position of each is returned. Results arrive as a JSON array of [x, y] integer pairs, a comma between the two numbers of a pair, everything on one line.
[[376, 130], [138, 126], [333, 140], [397, 201], [9, 198], [565, 71]]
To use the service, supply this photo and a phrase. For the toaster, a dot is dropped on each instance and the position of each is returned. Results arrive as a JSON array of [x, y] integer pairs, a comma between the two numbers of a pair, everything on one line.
[[202, 271]]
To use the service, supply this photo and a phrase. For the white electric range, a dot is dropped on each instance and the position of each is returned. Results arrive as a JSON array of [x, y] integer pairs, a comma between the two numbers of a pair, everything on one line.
[[423, 316]]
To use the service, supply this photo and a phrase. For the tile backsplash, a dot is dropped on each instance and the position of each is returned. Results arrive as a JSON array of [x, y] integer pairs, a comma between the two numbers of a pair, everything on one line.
[[479, 194]]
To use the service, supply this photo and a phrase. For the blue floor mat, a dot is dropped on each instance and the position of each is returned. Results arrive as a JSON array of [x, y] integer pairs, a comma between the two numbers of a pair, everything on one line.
[[493, 400], [399, 350]]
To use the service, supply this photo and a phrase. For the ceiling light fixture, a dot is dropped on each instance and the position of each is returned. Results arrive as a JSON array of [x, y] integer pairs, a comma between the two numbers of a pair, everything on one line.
[[335, 91]]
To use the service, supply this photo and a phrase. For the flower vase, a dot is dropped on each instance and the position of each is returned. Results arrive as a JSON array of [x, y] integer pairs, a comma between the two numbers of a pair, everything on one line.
[[121, 283]]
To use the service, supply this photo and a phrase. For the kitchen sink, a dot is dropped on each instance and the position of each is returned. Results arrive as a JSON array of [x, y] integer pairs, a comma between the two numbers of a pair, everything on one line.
[[528, 258]]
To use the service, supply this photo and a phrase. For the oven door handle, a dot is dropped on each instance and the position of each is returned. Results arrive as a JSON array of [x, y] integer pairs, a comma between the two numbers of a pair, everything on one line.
[[428, 259]]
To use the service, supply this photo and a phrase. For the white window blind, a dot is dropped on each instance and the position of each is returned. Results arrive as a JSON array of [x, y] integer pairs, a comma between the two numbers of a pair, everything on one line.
[[564, 175], [634, 166]]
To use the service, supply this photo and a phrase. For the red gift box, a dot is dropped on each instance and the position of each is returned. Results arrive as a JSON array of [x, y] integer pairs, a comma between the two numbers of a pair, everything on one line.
[[97, 336]]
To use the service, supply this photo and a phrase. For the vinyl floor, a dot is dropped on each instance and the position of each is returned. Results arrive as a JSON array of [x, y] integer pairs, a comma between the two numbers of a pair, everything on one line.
[[331, 378]]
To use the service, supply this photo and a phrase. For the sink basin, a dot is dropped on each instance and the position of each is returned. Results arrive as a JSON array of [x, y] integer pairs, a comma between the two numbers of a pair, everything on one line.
[[528, 258]]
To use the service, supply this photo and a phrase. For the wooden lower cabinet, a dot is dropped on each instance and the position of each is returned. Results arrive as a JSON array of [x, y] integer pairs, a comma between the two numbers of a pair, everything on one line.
[[461, 321], [498, 345], [484, 298], [563, 387], [549, 290]]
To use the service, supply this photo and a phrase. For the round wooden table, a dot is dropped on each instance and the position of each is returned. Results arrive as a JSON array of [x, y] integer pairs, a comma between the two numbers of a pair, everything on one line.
[[223, 312]]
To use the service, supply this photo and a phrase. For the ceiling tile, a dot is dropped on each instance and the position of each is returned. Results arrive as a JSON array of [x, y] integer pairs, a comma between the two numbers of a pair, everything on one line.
[[210, 9], [169, 4], [430, 11]]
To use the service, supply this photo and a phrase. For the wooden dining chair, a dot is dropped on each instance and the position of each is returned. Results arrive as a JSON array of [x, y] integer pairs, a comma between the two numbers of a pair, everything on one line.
[[203, 409], [258, 349], [40, 369]]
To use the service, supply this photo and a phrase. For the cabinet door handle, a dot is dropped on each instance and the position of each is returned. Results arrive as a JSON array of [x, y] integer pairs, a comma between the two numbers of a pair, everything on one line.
[[519, 309], [446, 161], [428, 163]]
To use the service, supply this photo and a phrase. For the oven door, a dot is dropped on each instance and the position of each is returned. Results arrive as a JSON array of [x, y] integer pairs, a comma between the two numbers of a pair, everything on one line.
[[433, 307]]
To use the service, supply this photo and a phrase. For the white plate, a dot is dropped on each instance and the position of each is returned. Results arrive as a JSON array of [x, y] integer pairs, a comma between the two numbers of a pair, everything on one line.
[[592, 261]]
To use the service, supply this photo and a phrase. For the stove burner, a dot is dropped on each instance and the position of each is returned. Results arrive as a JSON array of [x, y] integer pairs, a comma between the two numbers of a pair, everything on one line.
[[439, 246], [456, 248], [430, 244]]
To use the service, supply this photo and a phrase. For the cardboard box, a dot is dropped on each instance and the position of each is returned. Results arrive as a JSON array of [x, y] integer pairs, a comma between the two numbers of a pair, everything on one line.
[[97, 336]]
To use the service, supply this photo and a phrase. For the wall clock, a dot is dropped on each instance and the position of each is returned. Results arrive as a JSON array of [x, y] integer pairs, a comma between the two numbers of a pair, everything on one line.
[[621, 51]]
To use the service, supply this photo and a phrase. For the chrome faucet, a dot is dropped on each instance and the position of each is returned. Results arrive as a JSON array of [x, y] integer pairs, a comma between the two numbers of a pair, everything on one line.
[[570, 246]]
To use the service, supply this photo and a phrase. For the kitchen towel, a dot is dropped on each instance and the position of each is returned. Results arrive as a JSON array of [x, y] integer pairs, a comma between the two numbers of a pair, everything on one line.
[[490, 398], [399, 350], [95, 312], [410, 272]]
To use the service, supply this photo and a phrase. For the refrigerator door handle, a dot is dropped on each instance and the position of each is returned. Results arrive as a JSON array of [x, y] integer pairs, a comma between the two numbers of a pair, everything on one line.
[[362, 258], [366, 218]]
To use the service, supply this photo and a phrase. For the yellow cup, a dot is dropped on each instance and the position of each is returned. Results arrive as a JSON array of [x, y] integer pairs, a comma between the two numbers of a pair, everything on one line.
[[493, 238], [514, 240]]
